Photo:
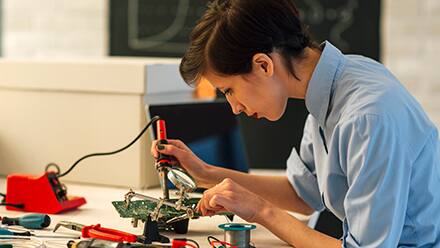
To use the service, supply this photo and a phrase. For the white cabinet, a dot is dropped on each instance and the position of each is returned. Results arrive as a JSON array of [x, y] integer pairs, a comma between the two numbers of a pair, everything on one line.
[[59, 111]]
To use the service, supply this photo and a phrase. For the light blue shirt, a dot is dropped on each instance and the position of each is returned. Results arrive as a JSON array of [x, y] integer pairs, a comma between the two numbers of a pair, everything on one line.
[[369, 154]]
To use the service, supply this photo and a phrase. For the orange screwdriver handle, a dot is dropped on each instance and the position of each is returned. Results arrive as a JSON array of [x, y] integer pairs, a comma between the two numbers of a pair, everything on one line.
[[98, 232]]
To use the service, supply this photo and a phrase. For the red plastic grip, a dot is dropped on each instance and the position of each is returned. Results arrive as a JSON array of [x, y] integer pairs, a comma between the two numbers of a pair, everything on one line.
[[96, 231], [179, 243], [161, 130], [162, 160]]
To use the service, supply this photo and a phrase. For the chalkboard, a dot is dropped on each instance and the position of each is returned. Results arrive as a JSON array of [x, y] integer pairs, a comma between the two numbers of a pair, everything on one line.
[[152, 27], [162, 27]]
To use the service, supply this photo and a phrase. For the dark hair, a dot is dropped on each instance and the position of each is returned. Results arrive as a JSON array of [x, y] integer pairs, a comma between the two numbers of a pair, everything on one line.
[[231, 32]]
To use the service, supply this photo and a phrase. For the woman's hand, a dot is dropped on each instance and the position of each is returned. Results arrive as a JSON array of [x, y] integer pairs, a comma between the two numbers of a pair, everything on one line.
[[196, 167], [229, 196]]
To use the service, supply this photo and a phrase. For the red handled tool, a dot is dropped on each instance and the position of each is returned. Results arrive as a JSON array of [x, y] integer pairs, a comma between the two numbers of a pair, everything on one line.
[[162, 160], [98, 232]]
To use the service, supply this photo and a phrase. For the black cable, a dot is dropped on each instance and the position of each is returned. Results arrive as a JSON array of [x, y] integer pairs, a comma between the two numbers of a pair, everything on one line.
[[53, 165], [3, 202], [20, 205], [155, 118], [214, 238], [194, 242]]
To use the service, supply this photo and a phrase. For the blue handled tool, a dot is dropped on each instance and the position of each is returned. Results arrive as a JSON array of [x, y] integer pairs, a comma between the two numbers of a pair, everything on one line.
[[4, 231], [30, 221]]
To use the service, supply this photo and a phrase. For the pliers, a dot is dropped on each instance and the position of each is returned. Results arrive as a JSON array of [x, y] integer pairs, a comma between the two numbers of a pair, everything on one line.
[[98, 232]]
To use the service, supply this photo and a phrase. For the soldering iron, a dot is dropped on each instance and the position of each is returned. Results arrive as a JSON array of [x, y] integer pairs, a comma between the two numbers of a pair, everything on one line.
[[162, 160]]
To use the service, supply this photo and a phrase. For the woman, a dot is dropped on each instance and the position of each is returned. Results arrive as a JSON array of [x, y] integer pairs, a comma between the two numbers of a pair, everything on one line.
[[369, 153]]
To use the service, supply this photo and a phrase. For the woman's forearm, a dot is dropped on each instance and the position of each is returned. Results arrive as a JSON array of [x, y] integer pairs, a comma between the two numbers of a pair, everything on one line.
[[293, 231]]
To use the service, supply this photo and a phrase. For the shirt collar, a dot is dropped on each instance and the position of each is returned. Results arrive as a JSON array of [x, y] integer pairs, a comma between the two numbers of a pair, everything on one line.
[[320, 85]]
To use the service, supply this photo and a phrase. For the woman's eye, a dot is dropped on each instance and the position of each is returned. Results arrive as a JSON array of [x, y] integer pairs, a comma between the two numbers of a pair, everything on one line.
[[228, 92]]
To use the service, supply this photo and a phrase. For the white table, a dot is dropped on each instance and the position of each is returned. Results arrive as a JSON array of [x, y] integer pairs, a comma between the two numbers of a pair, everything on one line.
[[100, 210]]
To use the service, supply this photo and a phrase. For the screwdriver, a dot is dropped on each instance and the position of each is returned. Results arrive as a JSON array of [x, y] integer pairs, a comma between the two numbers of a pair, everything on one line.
[[30, 221], [7, 233]]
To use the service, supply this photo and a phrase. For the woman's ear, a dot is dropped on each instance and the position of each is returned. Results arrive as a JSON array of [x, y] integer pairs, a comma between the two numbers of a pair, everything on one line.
[[262, 63]]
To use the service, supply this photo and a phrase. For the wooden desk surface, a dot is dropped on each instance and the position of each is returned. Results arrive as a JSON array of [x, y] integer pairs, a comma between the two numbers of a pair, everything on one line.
[[100, 210]]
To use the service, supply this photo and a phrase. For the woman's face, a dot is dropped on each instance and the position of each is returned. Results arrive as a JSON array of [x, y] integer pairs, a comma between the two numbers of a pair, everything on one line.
[[259, 94]]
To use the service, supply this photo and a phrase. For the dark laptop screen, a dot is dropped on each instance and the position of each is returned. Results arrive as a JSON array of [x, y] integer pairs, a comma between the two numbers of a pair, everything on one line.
[[210, 129]]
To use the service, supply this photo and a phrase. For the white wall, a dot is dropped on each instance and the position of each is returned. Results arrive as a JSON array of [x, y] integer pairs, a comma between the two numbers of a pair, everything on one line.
[[54, 28], [65, 28], [411, 46]]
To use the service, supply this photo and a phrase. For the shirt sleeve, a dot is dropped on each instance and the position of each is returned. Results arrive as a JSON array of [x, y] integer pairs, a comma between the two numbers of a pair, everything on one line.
[[301, 170], [378, 178]]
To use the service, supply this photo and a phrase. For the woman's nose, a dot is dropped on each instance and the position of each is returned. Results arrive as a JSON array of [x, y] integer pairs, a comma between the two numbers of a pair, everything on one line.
[[237, 109]]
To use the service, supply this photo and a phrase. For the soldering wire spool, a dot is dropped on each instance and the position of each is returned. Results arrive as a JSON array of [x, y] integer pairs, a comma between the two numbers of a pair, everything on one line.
[[238, 234]]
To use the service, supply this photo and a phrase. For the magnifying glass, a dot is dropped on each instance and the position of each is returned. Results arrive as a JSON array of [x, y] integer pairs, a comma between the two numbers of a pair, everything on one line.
[[181, 179]]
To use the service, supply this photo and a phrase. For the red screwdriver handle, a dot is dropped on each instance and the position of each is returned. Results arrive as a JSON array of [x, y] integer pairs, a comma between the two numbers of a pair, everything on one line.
[[96, 231]]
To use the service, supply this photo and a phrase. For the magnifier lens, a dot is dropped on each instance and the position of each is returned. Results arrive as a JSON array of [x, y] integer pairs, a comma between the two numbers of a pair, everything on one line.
[[181, 179]]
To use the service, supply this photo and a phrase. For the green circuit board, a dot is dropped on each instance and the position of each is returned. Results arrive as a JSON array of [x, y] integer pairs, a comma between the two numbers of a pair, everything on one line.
[[141, 209]]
